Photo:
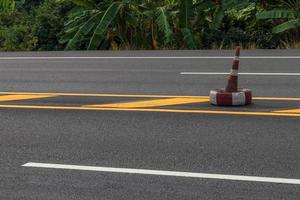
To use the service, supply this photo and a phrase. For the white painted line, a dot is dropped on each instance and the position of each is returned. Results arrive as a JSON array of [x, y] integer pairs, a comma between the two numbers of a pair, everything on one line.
[[250, 74], [110, 57], [165, 173], [140, 57]]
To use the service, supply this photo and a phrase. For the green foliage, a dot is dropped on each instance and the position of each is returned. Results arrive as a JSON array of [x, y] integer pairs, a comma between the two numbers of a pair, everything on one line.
[[145, 24], [102, 27], [17, 38], [163, 25], [15, 35], [276, 13], [291, 24], [188, 38], [8, 6], [48, 22], [85, 3], [77, 33], [89, 24], [288, 10], [186, 13]]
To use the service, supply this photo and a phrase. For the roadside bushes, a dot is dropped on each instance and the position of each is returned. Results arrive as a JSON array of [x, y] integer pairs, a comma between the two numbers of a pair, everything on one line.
[[48, 22], [35, 25], [138, 24], [16, 34]]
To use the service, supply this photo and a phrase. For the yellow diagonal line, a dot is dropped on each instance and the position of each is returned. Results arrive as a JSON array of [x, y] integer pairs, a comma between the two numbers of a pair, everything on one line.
[[22, 97], [151, 103], [154, 110], [294, 111], [140, 96]]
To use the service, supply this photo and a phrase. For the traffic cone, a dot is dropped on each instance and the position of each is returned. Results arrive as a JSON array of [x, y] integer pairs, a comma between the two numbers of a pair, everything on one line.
[[231, 95], [232, 80]]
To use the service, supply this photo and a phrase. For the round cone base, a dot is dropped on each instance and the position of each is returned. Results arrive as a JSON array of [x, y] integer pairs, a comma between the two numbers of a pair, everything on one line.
[[220, 97]]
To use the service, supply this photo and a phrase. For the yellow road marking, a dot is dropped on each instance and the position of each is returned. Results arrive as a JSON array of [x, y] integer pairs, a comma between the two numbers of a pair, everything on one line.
[[104, 95], [151, 103], [140, 95], [155, 110], [295, 111], [22, 97], [142, 105]]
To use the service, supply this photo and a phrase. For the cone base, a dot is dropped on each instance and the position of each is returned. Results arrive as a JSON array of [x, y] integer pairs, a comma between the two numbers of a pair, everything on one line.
[[220, 97]]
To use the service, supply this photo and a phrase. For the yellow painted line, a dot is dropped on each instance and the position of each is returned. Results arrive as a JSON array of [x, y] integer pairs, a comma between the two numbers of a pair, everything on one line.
[[105, 95], [154, 110], [17, 97], [295, 111], [140, 95], [151, 103]]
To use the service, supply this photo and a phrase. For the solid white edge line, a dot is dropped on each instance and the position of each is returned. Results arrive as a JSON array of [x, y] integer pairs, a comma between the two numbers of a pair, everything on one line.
[[240, 73], [164, 173], [142, 57]]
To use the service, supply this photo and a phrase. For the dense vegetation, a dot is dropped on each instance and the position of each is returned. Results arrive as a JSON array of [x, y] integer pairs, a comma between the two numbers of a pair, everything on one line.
[[148, 24]]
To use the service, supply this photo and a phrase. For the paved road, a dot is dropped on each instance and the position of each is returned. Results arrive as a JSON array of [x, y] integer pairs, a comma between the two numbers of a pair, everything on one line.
[[145, 76], [261, 146]]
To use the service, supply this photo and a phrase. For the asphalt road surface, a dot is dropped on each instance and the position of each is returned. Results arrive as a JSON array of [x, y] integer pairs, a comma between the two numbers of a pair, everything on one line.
[[89, 116]]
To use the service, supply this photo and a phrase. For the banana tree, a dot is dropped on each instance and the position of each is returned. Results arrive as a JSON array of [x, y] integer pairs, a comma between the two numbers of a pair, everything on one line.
[[219, 8], [89, 20], [156, 22], [7, 5], [102, 24], [186, 14], [288, 10]]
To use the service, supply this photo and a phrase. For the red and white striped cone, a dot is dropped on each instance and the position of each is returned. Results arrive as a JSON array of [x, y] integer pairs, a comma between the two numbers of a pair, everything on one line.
[[231, 95]]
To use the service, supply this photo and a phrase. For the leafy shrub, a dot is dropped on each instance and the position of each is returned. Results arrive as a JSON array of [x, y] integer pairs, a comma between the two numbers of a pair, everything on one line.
[[16, 33], [49, 18], [17, 38]]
